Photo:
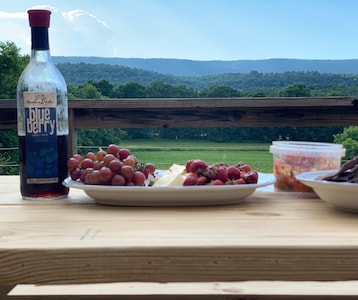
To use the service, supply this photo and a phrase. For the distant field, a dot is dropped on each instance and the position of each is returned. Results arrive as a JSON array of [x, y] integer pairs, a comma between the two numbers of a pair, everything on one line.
[[164, 153]]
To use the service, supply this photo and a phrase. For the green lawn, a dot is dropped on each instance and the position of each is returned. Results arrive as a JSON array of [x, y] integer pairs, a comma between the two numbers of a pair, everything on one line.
[[164, 153]]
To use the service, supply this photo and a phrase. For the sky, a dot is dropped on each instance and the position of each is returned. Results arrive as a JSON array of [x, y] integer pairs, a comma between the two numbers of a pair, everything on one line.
[[190, 29]]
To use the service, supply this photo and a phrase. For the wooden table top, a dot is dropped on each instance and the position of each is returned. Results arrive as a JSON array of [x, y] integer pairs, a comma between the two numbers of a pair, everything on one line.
[[271, 236]]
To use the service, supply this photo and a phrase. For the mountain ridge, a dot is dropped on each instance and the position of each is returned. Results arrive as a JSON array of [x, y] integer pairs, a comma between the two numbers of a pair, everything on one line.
[[187, 67]]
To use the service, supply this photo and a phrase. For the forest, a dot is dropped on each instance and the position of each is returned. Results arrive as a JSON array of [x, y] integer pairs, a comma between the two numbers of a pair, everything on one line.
[[100, 81], [187, 67], [244, 84]]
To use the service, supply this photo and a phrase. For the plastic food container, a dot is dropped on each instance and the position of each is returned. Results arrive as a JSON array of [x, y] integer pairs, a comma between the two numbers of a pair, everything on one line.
[[291, 158]]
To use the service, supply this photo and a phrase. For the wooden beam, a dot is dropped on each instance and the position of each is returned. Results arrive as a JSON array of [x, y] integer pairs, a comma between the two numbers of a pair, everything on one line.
[[202, 112]]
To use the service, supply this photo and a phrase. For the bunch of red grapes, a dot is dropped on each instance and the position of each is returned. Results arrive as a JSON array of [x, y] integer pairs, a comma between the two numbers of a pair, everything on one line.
[[198, 172], [116, 166]]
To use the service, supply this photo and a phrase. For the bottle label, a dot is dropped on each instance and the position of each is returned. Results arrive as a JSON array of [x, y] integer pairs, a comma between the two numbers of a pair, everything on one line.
[[41, 137]]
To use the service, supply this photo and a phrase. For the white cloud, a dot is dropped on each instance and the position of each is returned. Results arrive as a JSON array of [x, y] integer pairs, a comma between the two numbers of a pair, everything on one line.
[[74, 14], [12, 16], [80, 33], [45, 6], [74, 32]]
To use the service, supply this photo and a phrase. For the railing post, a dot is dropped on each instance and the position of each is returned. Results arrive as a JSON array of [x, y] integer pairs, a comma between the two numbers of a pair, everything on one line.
[[72, 139]]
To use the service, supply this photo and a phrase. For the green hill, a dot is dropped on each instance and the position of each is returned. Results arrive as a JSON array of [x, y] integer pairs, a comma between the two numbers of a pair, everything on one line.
[[340, 84], [185, 67]]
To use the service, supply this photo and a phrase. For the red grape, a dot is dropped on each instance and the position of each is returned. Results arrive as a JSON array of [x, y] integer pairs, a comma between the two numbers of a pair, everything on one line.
[[93, 177], [118, 180], [78, 157], [87, 163], [113, 149], [108, 158], [106, 167], [123, 153], [150, 168], [127, 172], [129, 161], [115, 165], [105, 174], [83, 175], [91, 156], [72, 164], [75, 174], [100, 155], [98, 165], [138, 178]]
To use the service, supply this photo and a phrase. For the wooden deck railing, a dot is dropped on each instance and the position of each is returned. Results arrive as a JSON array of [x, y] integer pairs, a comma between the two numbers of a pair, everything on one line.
[[200, 112]]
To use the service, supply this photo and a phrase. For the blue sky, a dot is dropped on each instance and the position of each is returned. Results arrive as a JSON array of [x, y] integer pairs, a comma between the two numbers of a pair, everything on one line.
[[191, 29]]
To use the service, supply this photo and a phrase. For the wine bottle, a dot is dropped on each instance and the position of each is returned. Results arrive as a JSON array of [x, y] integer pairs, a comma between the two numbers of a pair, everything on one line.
[[42, 108]]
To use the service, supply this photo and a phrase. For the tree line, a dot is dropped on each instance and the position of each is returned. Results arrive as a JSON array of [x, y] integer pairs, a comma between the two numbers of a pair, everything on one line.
[[269, 84]]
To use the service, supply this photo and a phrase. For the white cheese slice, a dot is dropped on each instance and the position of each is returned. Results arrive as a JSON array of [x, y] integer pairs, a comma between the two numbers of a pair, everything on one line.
[[174, 176]]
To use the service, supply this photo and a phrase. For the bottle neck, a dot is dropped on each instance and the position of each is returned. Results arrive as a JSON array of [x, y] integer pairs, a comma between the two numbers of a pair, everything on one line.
[[40, 50], [39, 38]]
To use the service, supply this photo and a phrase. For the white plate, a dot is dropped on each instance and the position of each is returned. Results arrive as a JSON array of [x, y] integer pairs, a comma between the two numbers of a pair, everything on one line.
[[170, 195], [342, 195]]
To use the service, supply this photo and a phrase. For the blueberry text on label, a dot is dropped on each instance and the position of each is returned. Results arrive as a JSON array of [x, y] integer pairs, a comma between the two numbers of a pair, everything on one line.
[[39, 121]]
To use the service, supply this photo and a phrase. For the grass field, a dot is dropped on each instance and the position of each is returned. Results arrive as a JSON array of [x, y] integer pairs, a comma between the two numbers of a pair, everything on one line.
[[164, 153]]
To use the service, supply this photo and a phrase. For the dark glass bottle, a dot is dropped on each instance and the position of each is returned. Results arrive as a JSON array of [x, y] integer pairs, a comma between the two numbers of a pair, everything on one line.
[[42, 107]]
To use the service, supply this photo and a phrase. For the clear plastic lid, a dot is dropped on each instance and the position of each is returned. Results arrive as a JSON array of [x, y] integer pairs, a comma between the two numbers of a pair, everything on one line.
[[307, 148]]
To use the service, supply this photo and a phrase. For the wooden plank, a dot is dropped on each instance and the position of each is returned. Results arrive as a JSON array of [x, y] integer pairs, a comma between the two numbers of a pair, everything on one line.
[[8, 104], [215, 112], [4, 290], [181, 264], [8, 113], [138, 103], [203, 112], [72, 139], [194, 290], [196, 118], [192, 103]]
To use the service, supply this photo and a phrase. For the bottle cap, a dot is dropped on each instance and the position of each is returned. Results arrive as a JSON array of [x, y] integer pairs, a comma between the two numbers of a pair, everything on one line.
[[39, 17]]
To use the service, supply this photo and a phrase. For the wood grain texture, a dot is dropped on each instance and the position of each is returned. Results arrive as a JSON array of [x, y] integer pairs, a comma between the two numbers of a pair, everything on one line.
[[202, 112], [272, 236], [214, 112], [214, 117]]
